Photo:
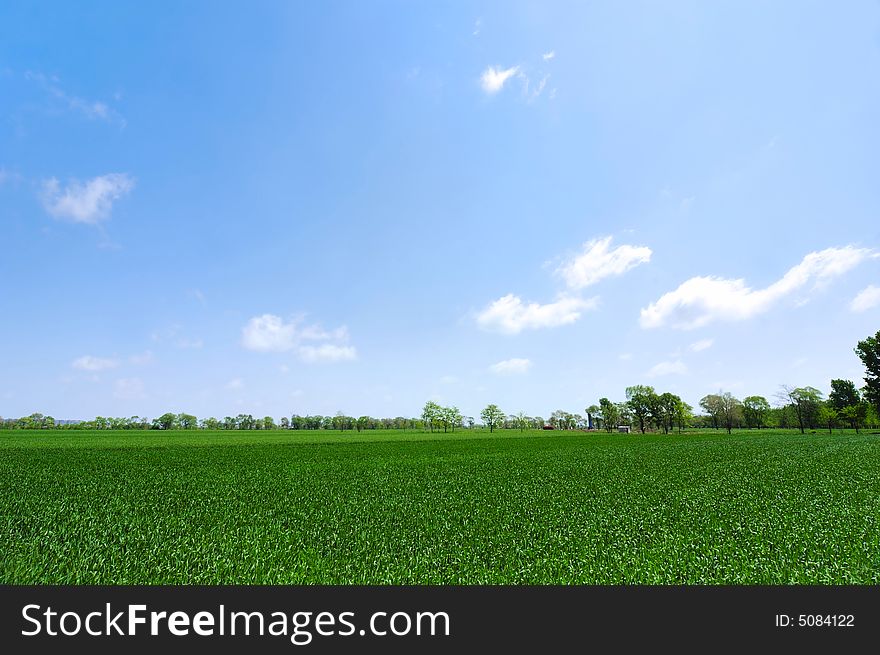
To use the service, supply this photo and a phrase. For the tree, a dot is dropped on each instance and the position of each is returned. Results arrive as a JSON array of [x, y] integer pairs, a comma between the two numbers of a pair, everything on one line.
[[610, 414], [827, 415], [869, 352], [755, 411], [711, 404], [522, 421], [666, 409], [730, 410], [285, 423], [843, 394], [641, 400], [187, 421], [805, 402], [684, 413], [492, 417], [431, 414], [167, 421]]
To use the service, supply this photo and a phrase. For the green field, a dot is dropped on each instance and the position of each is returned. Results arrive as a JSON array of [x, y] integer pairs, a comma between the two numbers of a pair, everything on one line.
[[469, 508]]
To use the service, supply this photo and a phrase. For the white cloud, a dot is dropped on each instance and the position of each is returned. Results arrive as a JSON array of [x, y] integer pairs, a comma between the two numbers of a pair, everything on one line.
[[511, 366], [867, 298], [701, 300], [547, 56], [91, 109], [510, 315], [702, 344], [625, 357], [89, 363], [129, 389], [141, 359], [477, 24], [448, 379], [598, 260], [89, 202], [667, 368], [493, 78], [270, 333], [235, 384], [327, 352], [189, 344]]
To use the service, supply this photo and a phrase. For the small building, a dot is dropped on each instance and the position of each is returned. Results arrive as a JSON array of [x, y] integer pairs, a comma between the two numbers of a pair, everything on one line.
[[548, 427], [623, 428]]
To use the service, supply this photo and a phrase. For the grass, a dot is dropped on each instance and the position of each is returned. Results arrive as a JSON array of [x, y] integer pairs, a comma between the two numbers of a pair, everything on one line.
[[468, 508]]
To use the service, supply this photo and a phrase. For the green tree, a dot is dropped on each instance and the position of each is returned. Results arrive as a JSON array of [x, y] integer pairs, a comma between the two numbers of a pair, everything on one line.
[[610, 414], [431, 414], [641, 399], [187, 421], [730, 410], [492, 417], [755, 411], [869, 352], [827, 415], [167, 421], [805, 402], [711, 404], [684, 414]]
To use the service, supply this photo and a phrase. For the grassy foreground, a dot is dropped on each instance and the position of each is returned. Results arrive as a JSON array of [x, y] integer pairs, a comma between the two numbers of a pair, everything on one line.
[[391, 507]]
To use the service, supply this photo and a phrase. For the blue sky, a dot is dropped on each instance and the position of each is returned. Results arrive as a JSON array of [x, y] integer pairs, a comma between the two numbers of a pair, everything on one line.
[[278, 208]]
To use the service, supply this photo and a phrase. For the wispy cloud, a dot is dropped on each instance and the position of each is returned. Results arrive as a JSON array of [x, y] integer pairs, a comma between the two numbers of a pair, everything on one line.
[[702, 300], [598, 260], [514, 366], [270, 333], [676, 367], [90, 109], [235, 384], [90, 363], [867, 298], [327, 352], [702, 344], [510, 315], [142, 359], [90, 202], [494, 78], [477, 24], [547, 56]]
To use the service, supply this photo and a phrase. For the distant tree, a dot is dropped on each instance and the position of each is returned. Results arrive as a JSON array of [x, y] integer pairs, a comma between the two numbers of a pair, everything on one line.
[[431, 414], [211, 424], [868, 351], [665, 410], [492, 417], [684, 414], [731, 410], [804, 401], [610, 414], [641, 399], [187, 421], [521, 421], [755, 411], [285, 423], [843, 394], [167, 421], [451, 417], [827, 415], [711, 404]]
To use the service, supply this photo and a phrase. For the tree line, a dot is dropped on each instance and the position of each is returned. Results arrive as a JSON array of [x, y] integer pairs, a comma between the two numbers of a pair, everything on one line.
[[803, 408]]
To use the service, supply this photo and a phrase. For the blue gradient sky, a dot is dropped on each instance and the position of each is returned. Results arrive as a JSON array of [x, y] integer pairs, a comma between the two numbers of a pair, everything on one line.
[[309, 207]]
